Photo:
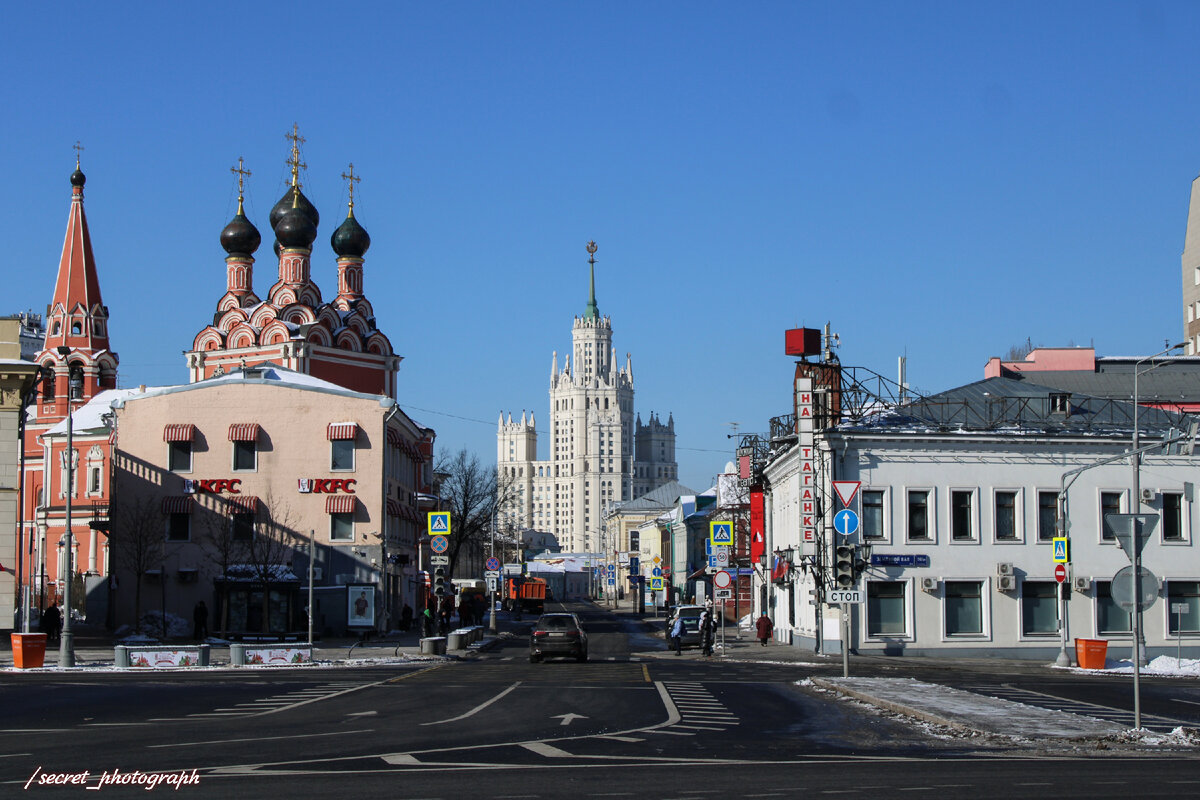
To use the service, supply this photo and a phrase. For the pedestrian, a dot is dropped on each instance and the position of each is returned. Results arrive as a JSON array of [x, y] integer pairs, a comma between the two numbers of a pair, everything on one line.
[[444, 622], [200, 622], [427, 622], [406, 617], [765, 627], [464, 610], [51, 623], [707, 629], [677, 635]]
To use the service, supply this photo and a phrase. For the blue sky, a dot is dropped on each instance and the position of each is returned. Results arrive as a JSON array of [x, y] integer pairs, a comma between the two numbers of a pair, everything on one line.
[[936, 180]]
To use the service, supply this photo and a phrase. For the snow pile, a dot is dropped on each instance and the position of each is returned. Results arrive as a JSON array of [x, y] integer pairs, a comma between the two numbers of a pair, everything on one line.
[[1163, 665], [177, 627]]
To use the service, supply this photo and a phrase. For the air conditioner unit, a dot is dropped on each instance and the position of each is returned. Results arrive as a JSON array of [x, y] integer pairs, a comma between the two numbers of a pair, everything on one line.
[[929, 584], [1082, 585], [1004, 568], [1006, 583], [1148, 495]]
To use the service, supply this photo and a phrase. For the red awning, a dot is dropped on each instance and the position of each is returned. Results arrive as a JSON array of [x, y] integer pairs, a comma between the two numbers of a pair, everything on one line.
[[394, 509], [177, 505], [339, 504], [243, 432], [185, 432], [243, 504], [342, 430]]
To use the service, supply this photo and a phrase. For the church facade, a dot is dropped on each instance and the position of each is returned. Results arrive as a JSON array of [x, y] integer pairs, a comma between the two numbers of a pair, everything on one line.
[[600, 454]]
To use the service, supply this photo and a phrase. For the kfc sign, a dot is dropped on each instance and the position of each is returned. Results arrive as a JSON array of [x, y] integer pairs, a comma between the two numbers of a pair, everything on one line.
[[213, 486], [327, 485]]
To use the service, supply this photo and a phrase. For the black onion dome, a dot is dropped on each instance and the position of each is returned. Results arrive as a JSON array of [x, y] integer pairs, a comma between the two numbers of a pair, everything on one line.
[[285, 204], [240, 236], [350, 239], [276, 248], [295, 229], [77, 178]]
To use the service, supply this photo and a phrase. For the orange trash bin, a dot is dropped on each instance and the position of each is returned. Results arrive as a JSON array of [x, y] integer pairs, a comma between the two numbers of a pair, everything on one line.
[[1091, 653], [29, 650]]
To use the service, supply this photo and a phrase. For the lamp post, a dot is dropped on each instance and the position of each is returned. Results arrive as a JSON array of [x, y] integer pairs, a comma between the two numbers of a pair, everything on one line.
[[492, 594], [1139, 635], [66, 645]]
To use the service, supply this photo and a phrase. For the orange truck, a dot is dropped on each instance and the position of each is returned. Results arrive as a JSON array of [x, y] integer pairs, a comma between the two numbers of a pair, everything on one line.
[[526, 594]]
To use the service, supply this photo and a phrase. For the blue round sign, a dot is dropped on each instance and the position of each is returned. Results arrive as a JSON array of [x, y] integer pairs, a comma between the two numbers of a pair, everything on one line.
[[845, 522], [656, 572]]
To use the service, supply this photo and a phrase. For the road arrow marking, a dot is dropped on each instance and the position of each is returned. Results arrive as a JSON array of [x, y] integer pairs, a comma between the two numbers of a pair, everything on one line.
[[567, 718]]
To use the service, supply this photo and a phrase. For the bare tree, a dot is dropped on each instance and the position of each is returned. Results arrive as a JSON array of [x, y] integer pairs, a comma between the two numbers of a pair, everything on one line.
[[1018, 351], [471, 493], [218, 537], [136, 542], [270, 550]]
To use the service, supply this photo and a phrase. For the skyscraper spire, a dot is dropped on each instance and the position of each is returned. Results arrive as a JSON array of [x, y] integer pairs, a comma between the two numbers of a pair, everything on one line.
[[592, 312]]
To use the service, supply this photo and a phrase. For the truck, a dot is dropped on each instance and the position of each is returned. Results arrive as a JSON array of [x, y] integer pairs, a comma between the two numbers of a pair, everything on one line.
[[525, 594]]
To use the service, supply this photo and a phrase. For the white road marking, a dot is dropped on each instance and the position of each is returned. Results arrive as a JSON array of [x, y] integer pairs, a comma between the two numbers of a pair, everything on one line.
[[476, 709], [547, 750], [262, 738]]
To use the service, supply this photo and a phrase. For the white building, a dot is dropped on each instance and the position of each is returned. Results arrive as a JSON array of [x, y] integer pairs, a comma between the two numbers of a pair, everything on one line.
[[599, 452], [959, 503]]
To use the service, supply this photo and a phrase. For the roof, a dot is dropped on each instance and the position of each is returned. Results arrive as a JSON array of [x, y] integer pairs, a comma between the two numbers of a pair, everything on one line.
[[1008, 405], [659, 499], [1176, 381], [265, 374]]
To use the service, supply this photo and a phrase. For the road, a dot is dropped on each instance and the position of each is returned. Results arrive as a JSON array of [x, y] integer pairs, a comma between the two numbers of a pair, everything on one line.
[[498, 726]]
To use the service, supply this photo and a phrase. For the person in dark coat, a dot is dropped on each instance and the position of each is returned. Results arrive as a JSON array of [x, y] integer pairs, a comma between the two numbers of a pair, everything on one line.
[[406, 617], [707, 631], [765, 628], [51, 623], [200, 622]]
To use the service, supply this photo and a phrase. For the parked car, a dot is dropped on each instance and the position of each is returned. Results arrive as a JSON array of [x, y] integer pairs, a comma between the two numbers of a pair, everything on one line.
[[691, 624], [558, 635]]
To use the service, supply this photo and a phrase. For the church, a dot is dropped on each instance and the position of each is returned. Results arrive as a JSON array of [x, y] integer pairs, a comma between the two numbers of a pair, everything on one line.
[[600, 454]]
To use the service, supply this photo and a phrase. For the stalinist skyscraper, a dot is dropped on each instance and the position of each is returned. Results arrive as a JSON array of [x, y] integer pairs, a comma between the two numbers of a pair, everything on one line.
[[600, 453]]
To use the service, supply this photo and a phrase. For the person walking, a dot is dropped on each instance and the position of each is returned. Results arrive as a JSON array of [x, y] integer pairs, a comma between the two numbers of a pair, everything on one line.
[[707, 629], [765, 628], [406, 618], [51, 623], [200, 622], [677, 635]]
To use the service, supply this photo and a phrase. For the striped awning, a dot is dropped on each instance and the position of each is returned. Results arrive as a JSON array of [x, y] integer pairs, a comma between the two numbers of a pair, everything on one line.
[[185, 432], [412, 516], [394, 509], [243, 432], [342, 430], [243, 504], [178, 505], [339, 504], [393, 437]]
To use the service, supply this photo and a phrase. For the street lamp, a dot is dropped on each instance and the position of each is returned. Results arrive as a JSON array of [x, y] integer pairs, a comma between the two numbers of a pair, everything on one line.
[[66, 645]]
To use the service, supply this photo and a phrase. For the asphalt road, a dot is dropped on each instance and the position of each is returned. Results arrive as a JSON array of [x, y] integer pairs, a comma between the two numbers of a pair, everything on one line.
[[500, 727]]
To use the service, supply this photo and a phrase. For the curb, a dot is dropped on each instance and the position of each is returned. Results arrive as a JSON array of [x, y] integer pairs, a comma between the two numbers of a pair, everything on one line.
[[891, 705]]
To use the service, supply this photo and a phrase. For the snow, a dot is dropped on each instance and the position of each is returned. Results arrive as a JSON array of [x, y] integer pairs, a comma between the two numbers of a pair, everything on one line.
[[1167, 666]]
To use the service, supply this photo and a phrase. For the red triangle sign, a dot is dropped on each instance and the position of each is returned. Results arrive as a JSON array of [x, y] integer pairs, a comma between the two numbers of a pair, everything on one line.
[[846, 491]]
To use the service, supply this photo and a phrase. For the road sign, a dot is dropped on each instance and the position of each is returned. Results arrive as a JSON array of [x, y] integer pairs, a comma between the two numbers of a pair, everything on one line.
[[845, 522], [846, 491], [439, 561], [844, 596], [439, 544], [1131, 530], [656, 560], [722, 580], [492, 563], [612, 569], [724, 594], [439, 522], [491, 573], [491, 584], [635, 565], [612, 581], [656, 583], [1123, 590], [720, 533], [1061, 552], [513, 569], [721, 557], [656, 572], [1060, 573]]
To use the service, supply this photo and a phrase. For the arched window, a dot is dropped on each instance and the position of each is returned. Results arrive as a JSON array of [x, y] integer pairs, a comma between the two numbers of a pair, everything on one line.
[[76, 382]]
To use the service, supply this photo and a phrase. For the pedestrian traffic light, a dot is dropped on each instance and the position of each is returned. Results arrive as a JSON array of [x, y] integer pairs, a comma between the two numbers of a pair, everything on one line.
[[843, 566], [439, 582]]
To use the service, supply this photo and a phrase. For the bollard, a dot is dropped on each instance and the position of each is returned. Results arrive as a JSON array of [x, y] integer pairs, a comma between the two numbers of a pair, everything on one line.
[[433, 646], [237, 654], [457, 640], [122, 656], [204, 655]]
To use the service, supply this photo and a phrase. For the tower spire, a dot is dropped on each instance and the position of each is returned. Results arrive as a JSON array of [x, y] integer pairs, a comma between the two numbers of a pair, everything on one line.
[[294, 158], [592, 312]]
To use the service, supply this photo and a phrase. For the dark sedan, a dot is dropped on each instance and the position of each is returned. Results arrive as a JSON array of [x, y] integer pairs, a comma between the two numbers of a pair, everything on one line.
[[558, 635]]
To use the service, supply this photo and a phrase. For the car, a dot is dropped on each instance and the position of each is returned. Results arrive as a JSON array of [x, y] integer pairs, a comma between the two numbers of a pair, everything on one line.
[[691, 624], [558, 635]]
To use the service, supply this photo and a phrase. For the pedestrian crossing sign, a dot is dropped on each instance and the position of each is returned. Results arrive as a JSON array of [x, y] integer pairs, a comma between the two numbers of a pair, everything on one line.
[[720, 534], [656, 583], [1061, 552], [439, 523]]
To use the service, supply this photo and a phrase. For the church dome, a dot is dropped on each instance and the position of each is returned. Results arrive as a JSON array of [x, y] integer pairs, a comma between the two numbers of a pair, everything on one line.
[[77, 178], [240, 237], [285, 204], [350, 239], [295, 229]]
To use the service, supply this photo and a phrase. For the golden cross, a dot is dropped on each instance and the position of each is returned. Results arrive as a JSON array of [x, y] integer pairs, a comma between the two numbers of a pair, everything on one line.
[[242, 174], [352, 179], [78, 149], [294, 159]]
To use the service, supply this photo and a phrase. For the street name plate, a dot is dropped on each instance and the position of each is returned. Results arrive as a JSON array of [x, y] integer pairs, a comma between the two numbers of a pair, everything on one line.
[[834, 596]]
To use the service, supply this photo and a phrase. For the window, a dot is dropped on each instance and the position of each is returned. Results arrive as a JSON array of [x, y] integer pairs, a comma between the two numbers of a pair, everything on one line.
[[885, 608], [1039, 608], [918, 515], [179, 527], [872, 518], [1185, 593], [1047, 516], [341, 454], [179, 456], [1006, 516], [94, 480], [1110, 503], [964, 608], [341, 527], [245, 456], [1110, 617], [243, 527], [960, 516], [1172, 517]]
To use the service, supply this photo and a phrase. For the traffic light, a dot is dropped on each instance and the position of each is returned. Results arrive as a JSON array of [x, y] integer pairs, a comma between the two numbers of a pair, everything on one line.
[[439, 582], [843, 566]]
